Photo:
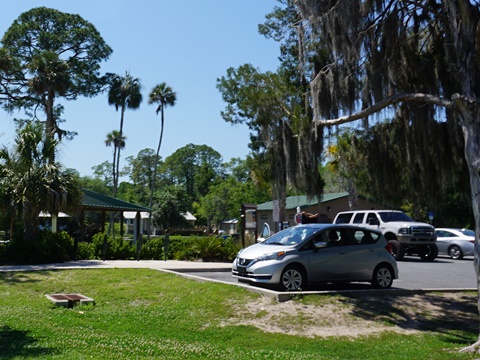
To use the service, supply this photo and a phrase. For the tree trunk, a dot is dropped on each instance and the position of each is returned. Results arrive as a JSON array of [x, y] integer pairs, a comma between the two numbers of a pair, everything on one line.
[[50, 123], [352, 195], [115, 180], [152, 182], [470, 122]]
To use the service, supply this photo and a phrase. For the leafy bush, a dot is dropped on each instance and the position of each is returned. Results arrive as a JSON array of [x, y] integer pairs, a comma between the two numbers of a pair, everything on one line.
[[152, 249], [208, 248], [58, 247], [49, 247], [230, 249], [85, 251], [205, 248], [3, 253], [55, 247], [117, 248], [181, 248]]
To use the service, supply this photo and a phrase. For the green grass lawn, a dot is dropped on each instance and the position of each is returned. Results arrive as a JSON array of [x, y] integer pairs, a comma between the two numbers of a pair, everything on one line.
[[147, 314]]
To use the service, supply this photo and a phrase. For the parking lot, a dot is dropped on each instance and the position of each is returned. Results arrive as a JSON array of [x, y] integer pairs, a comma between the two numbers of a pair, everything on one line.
[[443, 273]]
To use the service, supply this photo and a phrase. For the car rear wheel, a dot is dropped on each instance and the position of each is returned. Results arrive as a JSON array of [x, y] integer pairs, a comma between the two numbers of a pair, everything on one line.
[[293, 278], [455, 252], [382, 277]]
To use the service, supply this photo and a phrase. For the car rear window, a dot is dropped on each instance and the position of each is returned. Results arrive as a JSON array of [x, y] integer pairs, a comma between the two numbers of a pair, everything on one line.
[[467, 232]]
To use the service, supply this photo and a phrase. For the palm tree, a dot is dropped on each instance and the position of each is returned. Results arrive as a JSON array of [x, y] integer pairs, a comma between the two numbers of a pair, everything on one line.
[[164, 96], [124, 93], [114, 138], [118, 141], [31, 182]]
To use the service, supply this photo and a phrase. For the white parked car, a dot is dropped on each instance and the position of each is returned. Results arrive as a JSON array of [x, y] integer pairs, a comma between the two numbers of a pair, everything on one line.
[[406, 237], [455, 243]]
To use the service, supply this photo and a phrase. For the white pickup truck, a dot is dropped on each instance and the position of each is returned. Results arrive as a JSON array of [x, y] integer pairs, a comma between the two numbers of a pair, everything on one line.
[[405, 236]]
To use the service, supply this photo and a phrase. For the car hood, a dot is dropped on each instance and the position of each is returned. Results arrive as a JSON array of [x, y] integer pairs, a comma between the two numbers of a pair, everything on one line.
[[409, 223], [254, 251]]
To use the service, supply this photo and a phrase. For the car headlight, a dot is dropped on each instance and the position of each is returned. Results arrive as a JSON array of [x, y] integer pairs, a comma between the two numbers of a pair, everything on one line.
[[270, 256], [404, 231]]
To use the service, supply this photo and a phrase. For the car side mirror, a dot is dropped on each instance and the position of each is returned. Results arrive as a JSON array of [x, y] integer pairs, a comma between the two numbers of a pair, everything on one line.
[[320, 245]]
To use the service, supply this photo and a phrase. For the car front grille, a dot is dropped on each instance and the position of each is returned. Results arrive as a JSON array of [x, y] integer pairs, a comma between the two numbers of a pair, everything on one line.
[[244, 262], [422, 231]]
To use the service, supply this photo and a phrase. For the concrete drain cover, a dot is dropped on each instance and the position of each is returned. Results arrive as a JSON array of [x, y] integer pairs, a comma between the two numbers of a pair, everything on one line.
[[69, 300]]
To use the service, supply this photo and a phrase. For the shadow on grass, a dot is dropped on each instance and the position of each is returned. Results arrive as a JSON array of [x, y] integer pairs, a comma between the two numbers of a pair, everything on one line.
[[16, 277], [18, 343], [453, 315]]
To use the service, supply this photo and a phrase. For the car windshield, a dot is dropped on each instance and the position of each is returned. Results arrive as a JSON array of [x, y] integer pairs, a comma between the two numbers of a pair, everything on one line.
[[388, 216], [290, 236]]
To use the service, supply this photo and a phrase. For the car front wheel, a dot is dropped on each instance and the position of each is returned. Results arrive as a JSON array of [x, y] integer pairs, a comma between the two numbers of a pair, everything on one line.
[[293, 278], [455, 252], [429, 253], [382, 277]]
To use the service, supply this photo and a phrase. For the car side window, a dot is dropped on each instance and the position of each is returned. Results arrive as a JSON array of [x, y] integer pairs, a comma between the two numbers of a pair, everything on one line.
[[343, 218], [369, 237], [333, 237], [441, 233], [372, 218], [358, 237], [358, 219], [348, 237], [310, 245]]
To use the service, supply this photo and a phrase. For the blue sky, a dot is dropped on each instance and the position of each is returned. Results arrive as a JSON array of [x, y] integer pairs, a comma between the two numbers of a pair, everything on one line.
[[186, 43]]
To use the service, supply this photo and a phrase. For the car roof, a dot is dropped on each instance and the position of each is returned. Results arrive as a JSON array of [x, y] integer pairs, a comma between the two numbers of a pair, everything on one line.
[[368, 210], [333, 226], [453, 229]]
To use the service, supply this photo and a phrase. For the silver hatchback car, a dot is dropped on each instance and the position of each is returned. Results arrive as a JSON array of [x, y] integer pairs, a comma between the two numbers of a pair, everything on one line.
[[318, 253]]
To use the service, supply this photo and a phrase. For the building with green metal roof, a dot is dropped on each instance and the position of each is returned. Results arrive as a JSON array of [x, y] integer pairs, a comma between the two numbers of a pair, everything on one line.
[[93, 201]]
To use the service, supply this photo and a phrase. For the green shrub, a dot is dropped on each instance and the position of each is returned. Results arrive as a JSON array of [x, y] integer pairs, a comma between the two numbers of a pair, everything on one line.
[[230, 249], [152, 249], [3, 253], [58, 247], [48, 248], [181, 248], [208, 248], [205, 248], [117, 248], [85, 251], [55, 247]]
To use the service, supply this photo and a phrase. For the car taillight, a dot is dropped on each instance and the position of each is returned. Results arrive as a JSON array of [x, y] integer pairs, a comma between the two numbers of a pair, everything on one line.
[[389, 248], [472, 241]]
